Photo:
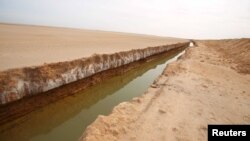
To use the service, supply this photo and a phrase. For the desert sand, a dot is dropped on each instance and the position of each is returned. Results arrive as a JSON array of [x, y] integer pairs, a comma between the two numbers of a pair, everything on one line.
[[209, 84], [25, 45]]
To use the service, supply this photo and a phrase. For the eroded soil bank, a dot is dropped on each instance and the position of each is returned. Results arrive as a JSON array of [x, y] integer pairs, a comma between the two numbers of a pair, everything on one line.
[[207, 85], [22, 82]]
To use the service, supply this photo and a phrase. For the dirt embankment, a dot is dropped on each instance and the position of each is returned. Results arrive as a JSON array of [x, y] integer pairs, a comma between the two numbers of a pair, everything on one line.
[[236, 52], [208, 85], [18, 83], [23, 46]]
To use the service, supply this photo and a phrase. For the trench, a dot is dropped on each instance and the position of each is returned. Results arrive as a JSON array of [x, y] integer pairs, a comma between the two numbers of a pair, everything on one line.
[[67, 118]]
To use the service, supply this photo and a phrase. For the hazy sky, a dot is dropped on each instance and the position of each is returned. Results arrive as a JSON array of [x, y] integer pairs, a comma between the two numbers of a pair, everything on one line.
[[176, 18]]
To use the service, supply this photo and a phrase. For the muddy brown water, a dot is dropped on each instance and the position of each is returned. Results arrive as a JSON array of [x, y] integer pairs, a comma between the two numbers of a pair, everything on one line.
[[67, 118]]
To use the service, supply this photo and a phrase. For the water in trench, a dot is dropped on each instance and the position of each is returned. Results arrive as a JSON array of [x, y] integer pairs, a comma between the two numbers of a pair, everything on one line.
[[66, 119]]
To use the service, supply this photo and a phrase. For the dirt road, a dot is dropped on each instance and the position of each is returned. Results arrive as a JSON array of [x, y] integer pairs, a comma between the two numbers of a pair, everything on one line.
[[208, 85]]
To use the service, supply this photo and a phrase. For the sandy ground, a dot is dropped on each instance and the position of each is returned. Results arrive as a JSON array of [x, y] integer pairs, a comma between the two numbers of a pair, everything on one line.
[[208, 85], [22, 45]]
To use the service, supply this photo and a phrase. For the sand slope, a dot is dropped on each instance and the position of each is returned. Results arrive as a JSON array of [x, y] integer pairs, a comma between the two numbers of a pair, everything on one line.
[[206, 86], [22, 45]]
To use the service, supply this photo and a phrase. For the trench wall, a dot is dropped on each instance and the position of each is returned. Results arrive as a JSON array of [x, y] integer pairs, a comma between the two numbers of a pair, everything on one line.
[[18, 83]]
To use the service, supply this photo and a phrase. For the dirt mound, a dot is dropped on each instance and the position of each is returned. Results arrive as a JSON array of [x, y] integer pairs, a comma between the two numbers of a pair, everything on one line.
[[236, 51]]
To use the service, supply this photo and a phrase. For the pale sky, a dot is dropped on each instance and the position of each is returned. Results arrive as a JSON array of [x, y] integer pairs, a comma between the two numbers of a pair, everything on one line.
[[172, 18]]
